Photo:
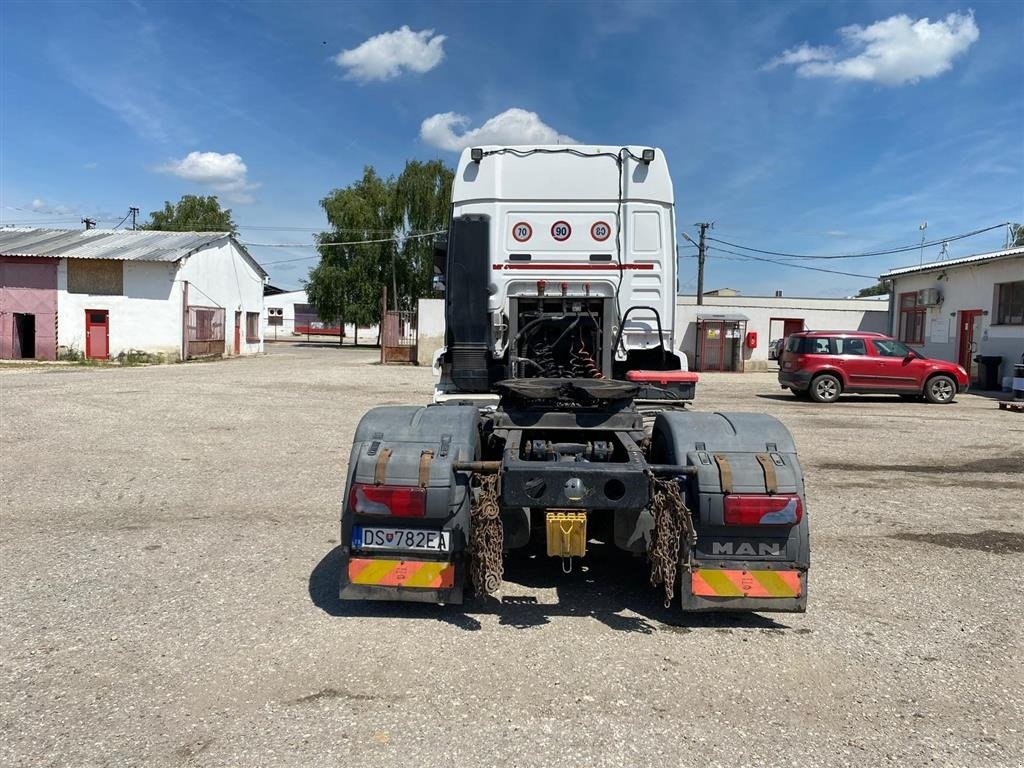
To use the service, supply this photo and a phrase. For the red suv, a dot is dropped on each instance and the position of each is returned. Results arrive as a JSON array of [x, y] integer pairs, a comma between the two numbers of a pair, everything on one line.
[[822, 365]]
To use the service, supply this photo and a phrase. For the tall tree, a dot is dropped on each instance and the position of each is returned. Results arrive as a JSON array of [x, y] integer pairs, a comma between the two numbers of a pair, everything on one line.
[[347, 283], [1016, 235], [192, 213], [880, 289]]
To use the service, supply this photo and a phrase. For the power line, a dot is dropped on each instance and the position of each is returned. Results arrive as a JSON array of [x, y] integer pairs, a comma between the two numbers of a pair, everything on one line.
[[351, 242], [787, 264], [319, 245], [866, 254]]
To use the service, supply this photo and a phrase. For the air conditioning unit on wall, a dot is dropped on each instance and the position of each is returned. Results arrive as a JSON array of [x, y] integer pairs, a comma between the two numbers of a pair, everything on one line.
[[929, 297]]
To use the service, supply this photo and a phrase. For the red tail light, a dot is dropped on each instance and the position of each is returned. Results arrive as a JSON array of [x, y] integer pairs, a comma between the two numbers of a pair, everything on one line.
[[395, 500], [751, 509]]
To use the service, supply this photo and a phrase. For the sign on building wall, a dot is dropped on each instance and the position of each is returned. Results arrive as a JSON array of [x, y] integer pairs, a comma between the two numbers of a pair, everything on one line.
[[939, 330]]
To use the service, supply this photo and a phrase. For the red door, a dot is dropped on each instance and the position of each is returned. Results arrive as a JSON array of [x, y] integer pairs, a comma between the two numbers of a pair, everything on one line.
[[789, 327], [97, 334], [238, 333], [970, 333]]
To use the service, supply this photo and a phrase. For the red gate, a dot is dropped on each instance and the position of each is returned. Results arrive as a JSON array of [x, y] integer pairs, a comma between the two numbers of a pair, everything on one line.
[[399, 336], [204, 335]]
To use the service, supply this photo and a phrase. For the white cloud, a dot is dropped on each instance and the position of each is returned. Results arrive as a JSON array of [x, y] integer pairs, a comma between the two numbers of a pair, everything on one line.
[[384, 56], [802, 54], [513, 126], [39, 205], [894, 51], [223, 173]]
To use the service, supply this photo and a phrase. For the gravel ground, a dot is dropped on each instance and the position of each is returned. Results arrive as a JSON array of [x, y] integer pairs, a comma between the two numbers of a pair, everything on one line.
[[168, 545]]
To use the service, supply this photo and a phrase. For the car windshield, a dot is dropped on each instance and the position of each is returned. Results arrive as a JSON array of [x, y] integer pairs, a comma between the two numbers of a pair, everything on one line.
[[892, 348]]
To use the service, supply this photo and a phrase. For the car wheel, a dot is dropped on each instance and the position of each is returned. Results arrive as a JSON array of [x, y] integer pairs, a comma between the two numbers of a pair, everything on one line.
[[825, 388], [940, 389]]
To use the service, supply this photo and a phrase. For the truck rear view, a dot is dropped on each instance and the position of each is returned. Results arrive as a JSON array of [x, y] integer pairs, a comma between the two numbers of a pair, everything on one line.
[[560, 414]]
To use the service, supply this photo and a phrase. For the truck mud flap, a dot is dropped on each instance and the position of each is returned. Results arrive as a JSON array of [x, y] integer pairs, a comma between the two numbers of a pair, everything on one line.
[[744, 587], [401, 479], [407, 580]]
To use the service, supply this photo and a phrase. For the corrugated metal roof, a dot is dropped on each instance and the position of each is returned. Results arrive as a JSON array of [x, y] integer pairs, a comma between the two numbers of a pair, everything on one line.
[[936, 265], [122, 245]]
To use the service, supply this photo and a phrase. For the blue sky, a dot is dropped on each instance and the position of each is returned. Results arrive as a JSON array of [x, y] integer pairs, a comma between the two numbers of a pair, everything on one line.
[[819, 128]]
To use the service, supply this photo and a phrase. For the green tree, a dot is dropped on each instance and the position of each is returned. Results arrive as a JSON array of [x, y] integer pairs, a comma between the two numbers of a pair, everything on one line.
[[348, 282], [875, 290], [1016, 235], [192, 213]]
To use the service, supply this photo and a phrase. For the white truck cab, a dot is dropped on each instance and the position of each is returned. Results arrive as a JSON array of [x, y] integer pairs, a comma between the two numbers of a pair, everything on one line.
[[581, 236]]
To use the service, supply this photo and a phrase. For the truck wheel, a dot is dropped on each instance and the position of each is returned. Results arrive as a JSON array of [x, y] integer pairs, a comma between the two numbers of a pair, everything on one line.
[[825, 388], [940, 389]]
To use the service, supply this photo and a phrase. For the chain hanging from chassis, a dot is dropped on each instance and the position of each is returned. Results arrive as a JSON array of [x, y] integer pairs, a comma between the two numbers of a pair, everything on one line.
[[671, 519], [486, 538]]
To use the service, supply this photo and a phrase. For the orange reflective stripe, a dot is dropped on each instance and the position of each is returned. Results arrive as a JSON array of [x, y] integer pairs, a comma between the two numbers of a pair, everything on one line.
[[424, 574], [711, 582]]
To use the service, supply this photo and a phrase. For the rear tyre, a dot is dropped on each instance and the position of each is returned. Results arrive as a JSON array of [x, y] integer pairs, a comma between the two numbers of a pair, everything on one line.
[[825, 388], [940, 390]]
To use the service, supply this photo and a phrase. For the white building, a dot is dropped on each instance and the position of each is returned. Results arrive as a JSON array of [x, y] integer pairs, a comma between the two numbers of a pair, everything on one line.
[[288, 314], [175, 294], [962, 308], [715, 335]]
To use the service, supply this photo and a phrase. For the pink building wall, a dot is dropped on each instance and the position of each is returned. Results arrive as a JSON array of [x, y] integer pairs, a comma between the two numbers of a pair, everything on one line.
[[29, 285]]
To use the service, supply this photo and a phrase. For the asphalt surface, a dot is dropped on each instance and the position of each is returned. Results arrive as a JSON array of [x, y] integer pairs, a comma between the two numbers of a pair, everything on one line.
[[168, 570]]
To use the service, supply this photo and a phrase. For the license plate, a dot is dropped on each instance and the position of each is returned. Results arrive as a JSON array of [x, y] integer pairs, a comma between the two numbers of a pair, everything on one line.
[[404, 539]]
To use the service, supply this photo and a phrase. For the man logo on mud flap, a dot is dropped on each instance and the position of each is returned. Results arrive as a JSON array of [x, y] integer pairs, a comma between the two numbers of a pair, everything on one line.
[[762, 549]]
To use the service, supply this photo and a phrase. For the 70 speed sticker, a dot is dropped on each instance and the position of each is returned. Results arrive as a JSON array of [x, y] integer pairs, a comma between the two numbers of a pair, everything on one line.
[[522, 231]]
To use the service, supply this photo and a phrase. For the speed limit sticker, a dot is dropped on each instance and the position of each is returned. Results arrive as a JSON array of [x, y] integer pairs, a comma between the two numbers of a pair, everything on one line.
[[561, 230], [522, 231], [600, 231]]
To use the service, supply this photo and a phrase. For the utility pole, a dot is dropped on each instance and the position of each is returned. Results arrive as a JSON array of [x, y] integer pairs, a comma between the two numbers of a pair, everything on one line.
[[89, 223], [701, 253], [133, 212]]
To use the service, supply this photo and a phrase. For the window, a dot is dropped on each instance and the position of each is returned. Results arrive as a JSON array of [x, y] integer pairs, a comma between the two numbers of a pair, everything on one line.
[[850, 347], [811, 345], [98, 277], [912, 318], [252, 327], [890, 348], [1010, 303]]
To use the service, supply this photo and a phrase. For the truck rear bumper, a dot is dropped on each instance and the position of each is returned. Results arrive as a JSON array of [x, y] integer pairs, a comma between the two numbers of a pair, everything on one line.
[[738, 589]]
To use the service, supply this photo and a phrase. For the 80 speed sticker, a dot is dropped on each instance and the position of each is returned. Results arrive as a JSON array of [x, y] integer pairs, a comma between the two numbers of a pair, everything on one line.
[[561, 230], [600, 231], [522, 231]]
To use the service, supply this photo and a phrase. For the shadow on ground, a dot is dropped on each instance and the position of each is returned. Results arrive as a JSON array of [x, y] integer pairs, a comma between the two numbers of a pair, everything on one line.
[[610, 584]]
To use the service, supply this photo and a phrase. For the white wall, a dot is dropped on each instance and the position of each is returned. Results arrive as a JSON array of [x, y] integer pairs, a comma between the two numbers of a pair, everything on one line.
[[146, 317], [286, 302], [220, 276], [965, 287], [430, 315], [817, 314]]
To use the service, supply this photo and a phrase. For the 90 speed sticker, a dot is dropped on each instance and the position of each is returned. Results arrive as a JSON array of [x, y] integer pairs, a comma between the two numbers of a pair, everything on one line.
[[560, 231], [522, 231], [600, 231]]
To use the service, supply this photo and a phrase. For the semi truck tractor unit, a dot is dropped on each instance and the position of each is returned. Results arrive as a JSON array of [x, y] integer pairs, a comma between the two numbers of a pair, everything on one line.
[[560, 415]]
